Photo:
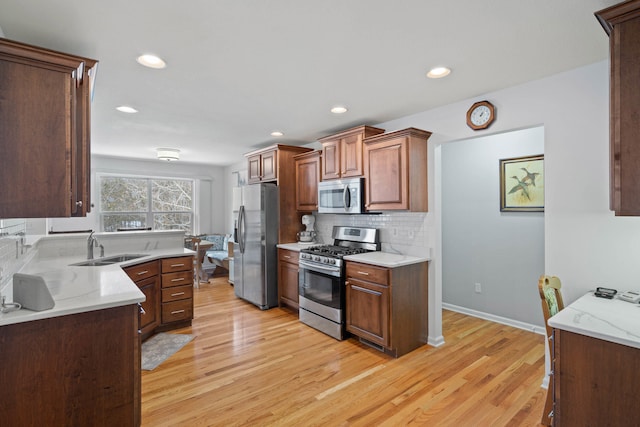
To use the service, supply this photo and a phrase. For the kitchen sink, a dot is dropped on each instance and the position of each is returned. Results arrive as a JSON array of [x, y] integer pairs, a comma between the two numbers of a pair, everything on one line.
[[108, 260]]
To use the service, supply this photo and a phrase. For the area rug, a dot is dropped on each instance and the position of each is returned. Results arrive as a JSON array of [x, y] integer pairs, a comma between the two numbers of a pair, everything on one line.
[[160, 347]]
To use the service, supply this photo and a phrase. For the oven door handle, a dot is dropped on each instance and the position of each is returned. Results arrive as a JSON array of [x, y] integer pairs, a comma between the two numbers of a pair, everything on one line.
[[334, 270]]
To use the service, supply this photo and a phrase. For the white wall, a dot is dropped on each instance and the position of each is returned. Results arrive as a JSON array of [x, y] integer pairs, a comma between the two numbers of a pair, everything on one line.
[[584, 243], [501, 251], [210, 188]]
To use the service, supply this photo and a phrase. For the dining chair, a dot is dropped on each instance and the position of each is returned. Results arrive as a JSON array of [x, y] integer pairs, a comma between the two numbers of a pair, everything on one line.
[[552, 303], [197, 267]]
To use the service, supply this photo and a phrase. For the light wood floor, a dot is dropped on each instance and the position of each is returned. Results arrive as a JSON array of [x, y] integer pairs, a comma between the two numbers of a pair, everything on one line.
[[264, 368]]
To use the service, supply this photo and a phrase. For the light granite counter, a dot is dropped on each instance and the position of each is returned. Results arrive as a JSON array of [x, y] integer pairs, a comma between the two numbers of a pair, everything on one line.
[[78, 289], [385, 259], [297, 246], [609, 320]]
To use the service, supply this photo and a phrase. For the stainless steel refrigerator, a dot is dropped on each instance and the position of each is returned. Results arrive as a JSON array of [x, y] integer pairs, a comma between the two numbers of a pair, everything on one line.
[[255, 254]]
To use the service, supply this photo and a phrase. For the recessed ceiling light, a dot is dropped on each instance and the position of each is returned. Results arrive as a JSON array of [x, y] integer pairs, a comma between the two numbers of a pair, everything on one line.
[[276, 133], [151, 61], [338, 110], [438, 72], [126, 109]]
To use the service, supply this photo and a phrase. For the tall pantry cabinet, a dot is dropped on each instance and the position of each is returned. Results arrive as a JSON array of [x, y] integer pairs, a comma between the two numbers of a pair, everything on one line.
[[45, 132], [622, 23]]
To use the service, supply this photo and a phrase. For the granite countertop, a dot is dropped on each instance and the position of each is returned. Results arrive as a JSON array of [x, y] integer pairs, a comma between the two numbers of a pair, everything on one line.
[[385, 259], [609, 320], [296, 246], [78, 289]]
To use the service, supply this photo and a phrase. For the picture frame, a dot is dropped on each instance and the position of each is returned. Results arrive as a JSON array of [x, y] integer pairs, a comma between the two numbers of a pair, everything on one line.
[[522, 184]]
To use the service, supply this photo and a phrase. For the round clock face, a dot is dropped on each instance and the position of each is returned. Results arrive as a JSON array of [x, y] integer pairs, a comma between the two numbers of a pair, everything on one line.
[[480, 115]]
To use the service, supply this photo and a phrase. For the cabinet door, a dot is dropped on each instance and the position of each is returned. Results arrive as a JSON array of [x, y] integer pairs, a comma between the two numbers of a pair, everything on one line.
[[269, 161], [254, 169], [150, 318], [367, 307], [351, 156], [288, 283], [307, 177], [387, 177], [331, 160]]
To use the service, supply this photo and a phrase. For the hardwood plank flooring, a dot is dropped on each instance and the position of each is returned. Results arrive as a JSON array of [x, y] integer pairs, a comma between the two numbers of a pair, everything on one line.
[[248, 367]]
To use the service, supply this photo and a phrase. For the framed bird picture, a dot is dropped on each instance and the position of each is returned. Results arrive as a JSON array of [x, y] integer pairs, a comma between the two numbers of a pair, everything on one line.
[[522, 184]]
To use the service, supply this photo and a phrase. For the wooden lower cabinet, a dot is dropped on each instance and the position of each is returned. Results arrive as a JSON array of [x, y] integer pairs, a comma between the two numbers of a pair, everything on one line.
[[595, 382], [145, 276], [387, 307], [288, 294], [75, 370], [177, 292]]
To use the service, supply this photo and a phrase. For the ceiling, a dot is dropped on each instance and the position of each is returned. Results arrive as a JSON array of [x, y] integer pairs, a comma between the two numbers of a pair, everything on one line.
[[239, 69]]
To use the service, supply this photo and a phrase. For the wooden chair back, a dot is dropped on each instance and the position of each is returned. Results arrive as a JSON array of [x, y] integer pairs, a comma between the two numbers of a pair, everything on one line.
[[550, 298]]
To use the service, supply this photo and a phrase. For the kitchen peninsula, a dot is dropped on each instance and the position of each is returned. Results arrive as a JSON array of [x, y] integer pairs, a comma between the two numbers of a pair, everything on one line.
[[79, 362], [596, 358]]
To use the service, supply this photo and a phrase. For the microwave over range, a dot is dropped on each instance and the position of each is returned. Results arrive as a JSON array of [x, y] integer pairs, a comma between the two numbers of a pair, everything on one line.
[[342, 196]]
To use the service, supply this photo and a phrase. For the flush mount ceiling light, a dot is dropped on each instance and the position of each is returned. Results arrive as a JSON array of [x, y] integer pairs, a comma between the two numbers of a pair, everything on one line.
[[168, 154], [276, 133], [126, 109], [151, 61], [338, 109], [438, 72]]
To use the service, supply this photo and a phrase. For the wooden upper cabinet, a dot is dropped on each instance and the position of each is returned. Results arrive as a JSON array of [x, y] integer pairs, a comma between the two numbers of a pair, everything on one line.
[[622, 24], [45, 132], [342, 152], [263, 166], [308, 166], [395, 170], [276, 164]]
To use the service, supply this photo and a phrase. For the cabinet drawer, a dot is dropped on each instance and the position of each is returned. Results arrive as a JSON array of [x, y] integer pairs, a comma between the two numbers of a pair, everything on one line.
[[288, 256], [177, 293], [177, 264], [368, 272], [177, 279], [177, 310], [142, 271]]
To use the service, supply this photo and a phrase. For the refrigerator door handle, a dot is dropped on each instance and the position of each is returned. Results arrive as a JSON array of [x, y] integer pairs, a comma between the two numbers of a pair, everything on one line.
[[241, 229]]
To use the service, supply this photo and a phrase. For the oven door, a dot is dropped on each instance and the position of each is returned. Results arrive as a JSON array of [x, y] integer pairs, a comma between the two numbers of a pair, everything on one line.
[[321, 290]]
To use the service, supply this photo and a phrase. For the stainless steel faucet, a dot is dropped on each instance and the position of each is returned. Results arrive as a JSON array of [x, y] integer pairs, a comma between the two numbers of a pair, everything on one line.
[[91, 242]]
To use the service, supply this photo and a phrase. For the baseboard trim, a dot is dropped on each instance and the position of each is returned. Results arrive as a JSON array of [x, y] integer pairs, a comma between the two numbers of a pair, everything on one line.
[[493, 318], [435, 342]]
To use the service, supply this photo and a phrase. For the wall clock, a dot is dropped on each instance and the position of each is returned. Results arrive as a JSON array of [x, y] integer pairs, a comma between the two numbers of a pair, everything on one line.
[[481, 115]]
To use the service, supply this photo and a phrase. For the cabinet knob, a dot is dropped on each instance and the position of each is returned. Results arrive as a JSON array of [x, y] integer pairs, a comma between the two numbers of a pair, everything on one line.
[[79, 203]]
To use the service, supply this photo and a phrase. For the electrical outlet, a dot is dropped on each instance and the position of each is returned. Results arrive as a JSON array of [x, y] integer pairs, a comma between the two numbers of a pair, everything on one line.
[[478, 288]]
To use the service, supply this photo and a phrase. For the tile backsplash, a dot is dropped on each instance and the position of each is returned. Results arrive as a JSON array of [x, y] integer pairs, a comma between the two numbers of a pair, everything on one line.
[[400, 232], [13, 251]]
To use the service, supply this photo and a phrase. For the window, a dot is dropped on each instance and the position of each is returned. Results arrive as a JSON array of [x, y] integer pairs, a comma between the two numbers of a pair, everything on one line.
[[128, 202]]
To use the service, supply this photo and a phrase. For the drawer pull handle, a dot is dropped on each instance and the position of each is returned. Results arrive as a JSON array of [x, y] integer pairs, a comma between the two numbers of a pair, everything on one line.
[[363, 273], [178, 280], [143, 272], [177, 294], [177, 265], [177, 312], [287, 256]]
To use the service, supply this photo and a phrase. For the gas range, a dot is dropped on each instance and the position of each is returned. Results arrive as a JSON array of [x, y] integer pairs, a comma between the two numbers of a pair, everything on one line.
[[329, 254], [322, 274], [347, 241]]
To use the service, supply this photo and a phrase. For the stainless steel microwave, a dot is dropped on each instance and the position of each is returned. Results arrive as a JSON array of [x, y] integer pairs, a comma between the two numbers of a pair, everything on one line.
[[343, 196]]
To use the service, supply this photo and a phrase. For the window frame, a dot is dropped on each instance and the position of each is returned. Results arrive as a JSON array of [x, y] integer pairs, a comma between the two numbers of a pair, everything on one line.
[[149, 214]]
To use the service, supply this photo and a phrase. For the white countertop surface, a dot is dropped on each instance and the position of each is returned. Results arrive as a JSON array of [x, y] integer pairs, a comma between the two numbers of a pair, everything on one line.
[[78, 289], [609, 320], [385, 259], [297, 246]]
